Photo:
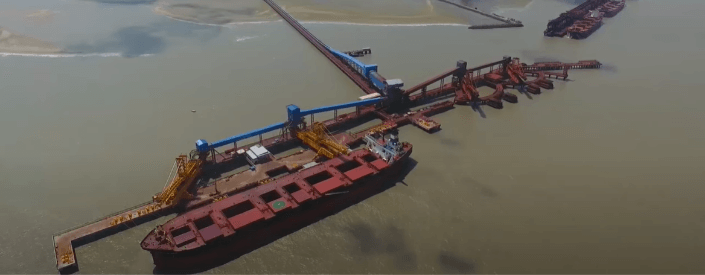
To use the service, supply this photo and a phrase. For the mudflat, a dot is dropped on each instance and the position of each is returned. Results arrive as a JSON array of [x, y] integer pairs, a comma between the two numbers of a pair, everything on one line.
[[222, 12], [17, 43]]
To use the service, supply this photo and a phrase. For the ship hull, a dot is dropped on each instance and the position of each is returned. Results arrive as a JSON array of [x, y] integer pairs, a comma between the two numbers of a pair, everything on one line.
[[612, 9], [585, 33], [249, 239]]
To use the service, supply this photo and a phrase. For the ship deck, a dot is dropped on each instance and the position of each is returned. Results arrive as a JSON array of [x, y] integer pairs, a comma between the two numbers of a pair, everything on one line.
[[222, 218], [248, 178]]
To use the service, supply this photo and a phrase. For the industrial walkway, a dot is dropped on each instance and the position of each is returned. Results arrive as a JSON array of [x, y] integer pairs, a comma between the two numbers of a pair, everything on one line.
[[508, 22], [352, 74]]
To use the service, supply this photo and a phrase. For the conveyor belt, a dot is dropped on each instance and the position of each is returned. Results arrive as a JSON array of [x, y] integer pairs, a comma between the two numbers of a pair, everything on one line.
[[358, 79]]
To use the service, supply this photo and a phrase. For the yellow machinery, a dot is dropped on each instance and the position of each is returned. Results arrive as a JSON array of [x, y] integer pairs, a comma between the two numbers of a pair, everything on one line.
[[187, 172], [318, 139], [379, 129]]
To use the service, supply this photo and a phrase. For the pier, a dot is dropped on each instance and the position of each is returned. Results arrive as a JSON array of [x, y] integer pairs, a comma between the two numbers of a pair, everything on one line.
[[66, 241], [508, 22], [548, 66], [495, 26], [364, 85], [385, 99]]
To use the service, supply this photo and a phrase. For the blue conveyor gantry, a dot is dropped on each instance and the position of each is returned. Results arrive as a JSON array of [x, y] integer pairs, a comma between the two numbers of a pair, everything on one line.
[[295, 114]]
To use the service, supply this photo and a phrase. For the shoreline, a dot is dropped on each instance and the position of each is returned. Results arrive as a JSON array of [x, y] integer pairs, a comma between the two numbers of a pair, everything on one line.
[[66, 54], [233, 24], [307, 15]]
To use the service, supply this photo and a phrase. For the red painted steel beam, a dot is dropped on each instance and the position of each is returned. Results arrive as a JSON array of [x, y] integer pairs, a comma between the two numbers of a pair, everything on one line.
[[430, 81], [506, 60]]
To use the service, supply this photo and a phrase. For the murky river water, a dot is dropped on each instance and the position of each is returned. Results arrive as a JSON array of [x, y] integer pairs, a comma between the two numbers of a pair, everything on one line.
[[602, 174]]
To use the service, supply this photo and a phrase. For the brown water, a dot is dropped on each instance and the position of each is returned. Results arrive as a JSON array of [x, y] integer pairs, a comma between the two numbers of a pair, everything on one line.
[[601, 175]]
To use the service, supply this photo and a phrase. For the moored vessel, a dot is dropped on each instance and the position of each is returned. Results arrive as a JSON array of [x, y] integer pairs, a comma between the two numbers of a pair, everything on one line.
[[243, 221], [559, 27], [612, 8], [581, 29]]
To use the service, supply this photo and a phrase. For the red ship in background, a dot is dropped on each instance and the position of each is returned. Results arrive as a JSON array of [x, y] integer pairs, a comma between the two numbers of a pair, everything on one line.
[[583, 28], [612, 8], [584, 19], [244, 221]]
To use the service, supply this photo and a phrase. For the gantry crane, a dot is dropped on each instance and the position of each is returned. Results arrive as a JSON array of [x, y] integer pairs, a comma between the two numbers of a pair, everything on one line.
[[187, 172], [318, 138]]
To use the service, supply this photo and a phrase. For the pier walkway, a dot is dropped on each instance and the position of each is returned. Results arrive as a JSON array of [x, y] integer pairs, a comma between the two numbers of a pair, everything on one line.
[[352, 74], [66, 241], [551, 66], [508, 22]]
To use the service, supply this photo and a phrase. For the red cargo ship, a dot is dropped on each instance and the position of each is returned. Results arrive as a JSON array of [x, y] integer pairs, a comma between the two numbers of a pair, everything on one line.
[[242, 222], [559, 26], [583, 28], [613, 7]]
